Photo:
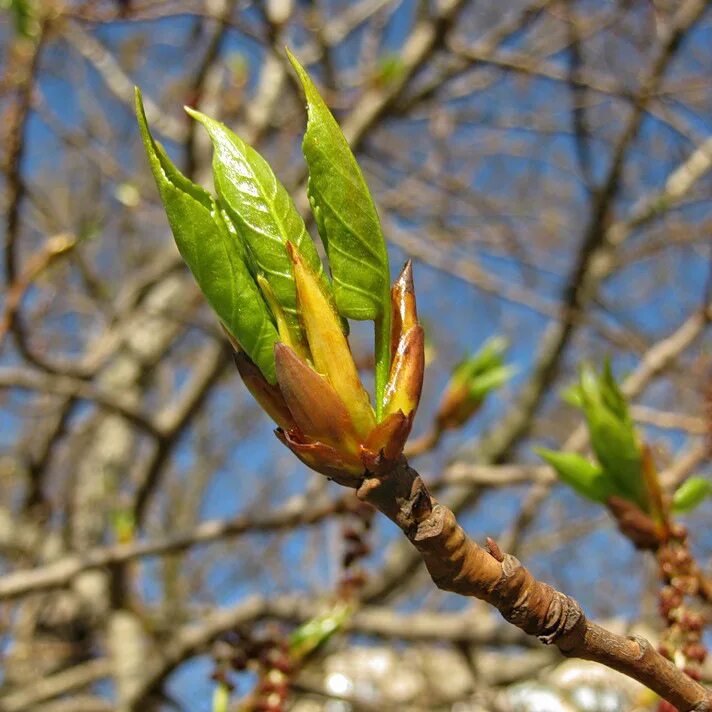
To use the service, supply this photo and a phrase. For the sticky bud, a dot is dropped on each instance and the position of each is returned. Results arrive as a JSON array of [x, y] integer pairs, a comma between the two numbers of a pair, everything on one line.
[[329, 348]]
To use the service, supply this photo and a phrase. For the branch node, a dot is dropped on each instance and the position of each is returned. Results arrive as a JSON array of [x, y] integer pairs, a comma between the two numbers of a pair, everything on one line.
[[494, 550], [432, 526], [643, 644]]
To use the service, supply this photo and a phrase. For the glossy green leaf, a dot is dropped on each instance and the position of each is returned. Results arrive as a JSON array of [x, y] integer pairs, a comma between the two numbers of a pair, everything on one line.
[[213, 254], [263, 213], [585, 477], [691, 493], [345, 213], [348, 224]]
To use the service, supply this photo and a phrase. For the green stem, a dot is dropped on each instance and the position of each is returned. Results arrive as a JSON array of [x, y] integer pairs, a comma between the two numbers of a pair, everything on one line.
[[383, 356]]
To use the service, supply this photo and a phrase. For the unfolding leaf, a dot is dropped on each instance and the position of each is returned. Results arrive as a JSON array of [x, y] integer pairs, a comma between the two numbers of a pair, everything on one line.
[[612, 434], [348, 224], [612, 395], [263, 213], [618, 451], [346, 215], [22, 12], [691, 493], [213, 255], [315, 632], [583, 476], [328, 345], [471, 381], [315, 406]]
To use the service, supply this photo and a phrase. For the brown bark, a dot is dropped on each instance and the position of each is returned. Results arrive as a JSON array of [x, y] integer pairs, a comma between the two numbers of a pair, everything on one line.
[[456, 563]]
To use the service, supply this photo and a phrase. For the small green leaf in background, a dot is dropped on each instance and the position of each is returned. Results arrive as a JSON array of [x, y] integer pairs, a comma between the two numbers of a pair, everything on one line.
[[485, 371], [690, 494], [317, 631], [348, 224], [221, 698], [389, 70], [213, 255], [471, 381], [586, 478], [23, 17], [572, 396], [612, 434], [263, 214], [612, 395]]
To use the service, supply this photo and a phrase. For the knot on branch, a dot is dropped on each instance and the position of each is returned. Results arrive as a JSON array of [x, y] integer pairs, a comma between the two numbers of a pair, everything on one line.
[[644, 645], [533, 606]]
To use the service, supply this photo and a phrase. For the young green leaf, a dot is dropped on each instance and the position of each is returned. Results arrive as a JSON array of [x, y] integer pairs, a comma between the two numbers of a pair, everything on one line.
[[612, 395], [612, 434], [691, 493], [484, 383], [22, 12], [348, 224], [317, 631], [489, 356], [583, 476], [572, 395], [263, 212], [618, 451], [213, 255]]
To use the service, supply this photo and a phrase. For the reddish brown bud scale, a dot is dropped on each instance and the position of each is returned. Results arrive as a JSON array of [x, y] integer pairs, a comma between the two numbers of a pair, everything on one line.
[[634, 523], [316, 407], [404, 313], [268, 396], [386, 441], [406, 379], [342, 467], [323, 410], [329, 348]]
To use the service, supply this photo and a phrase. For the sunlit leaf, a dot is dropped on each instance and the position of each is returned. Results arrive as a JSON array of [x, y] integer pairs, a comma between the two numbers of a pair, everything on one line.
[[348, 224], [213, 254], [263, 213]]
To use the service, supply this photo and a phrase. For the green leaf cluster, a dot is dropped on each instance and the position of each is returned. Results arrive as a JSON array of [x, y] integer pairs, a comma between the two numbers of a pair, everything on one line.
[[348, 225], [690, 494], [215, 255], [485, 371], [619, 467], [23, 16], [235, 243], [317, 631]]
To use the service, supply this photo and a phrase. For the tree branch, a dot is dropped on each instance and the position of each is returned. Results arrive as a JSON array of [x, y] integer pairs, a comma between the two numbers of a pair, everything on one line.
[[458, 564]]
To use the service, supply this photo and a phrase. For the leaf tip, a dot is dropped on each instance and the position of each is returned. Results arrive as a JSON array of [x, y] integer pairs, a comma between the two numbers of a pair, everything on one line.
[[292, 252], [294, 61], [195, 114], [405, 278]]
